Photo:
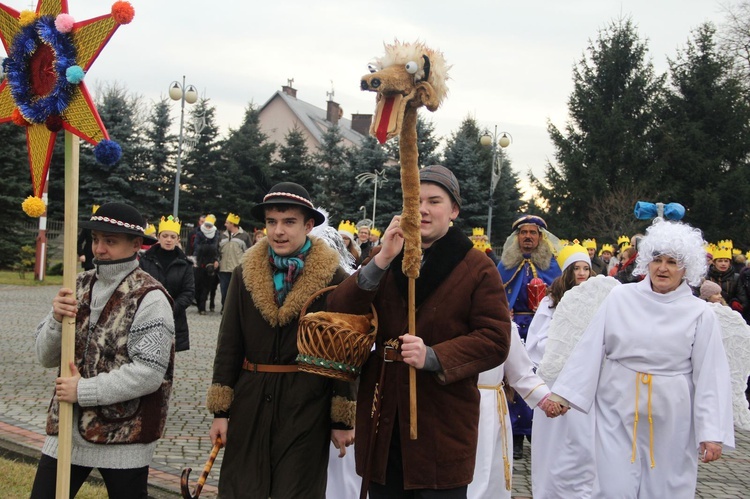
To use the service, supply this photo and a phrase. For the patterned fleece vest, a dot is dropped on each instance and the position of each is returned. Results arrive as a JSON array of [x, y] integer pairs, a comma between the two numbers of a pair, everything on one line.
[[103, 347]]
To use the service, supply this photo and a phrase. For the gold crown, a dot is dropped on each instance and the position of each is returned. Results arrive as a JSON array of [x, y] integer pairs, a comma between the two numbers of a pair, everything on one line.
[[564, 242], [233, 219], [375, 232], [477, 231], [725, 243], [171, 224], [211, 219], [150, 230], [607, 247], [589, 243], [720, 251], [348, 227], [623, 240], [736, 251], [482, 245]]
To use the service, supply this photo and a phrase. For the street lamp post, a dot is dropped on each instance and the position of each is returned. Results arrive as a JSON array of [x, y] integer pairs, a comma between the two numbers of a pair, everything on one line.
[[377, 178], [503, 141], [183, 94]]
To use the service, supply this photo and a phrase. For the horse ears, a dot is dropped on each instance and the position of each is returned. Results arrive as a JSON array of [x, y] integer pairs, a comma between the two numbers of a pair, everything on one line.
[[428, 96]]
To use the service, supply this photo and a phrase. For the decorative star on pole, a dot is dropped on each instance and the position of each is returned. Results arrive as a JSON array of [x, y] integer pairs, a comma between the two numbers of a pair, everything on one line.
[[48, 55]]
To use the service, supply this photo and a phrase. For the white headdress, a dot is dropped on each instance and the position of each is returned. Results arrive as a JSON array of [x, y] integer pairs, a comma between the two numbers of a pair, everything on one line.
[[678, 240]]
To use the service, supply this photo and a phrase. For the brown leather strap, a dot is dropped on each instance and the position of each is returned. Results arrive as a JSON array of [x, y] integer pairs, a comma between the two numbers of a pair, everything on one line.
[[388, 354], [269, 368]]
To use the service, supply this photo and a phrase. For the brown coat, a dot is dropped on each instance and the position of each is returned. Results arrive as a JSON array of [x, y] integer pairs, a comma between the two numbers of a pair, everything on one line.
[[278, 422], [463, 315]]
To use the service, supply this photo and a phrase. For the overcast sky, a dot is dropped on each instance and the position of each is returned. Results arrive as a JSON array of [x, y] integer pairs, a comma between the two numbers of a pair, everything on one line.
[[512, 61]]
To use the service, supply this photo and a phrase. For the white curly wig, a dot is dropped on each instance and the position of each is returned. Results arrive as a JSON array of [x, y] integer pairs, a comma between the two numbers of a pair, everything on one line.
[[678, 240]]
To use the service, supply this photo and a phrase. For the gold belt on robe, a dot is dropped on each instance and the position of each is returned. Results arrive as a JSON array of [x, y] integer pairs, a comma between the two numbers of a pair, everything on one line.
[[646, 379], [502, 411]]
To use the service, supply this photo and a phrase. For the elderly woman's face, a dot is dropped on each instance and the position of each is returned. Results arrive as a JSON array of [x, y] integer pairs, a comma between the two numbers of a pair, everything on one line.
[[665, 273]]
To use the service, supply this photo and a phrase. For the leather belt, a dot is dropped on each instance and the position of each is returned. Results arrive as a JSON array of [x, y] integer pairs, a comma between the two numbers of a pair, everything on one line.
[[389, 353], [269, 368]]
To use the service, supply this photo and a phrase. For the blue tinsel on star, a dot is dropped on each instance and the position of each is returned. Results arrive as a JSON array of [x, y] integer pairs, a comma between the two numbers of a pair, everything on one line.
[[36, 109], [107, 152]]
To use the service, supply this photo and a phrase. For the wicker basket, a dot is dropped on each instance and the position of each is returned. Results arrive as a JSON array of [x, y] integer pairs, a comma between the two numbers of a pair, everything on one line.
[[332, 350]]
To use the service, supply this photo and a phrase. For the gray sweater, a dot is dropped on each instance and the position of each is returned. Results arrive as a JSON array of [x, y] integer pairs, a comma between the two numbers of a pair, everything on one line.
[[148, 350]]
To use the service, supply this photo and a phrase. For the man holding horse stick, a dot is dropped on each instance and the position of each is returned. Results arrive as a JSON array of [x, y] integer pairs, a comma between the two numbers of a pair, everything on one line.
[[276, 421], [462, 326], [124, 361]]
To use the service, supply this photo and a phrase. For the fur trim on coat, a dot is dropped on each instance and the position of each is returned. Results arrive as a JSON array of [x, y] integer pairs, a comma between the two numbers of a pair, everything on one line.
[[219, 398], [540, 257], [320, 264], [343, 411]]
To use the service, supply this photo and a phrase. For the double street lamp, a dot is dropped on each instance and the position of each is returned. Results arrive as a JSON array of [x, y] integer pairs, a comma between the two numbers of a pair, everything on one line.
[[377, 178], [183, 94], [494, 140]]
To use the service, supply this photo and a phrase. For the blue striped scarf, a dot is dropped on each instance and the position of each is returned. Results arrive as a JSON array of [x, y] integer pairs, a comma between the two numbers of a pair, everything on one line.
[[286, 269]]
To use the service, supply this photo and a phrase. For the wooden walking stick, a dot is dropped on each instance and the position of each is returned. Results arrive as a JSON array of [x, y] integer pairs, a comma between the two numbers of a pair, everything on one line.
[[48, 56], [185, 488], [410, 76]]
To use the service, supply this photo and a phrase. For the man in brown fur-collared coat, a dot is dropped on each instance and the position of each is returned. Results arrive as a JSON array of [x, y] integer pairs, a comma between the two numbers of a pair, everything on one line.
[[276, 422], [462, 329]]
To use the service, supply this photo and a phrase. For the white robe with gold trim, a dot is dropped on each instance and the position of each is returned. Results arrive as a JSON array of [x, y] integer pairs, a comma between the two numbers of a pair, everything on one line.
[[674, 338]]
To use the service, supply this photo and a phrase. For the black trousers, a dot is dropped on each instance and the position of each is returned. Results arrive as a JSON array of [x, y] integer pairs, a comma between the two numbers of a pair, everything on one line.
[[130, 483], [394, 479]]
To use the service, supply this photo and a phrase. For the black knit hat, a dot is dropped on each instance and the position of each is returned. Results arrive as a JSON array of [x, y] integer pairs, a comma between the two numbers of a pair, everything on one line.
[[443, 177], [287, 193], [118, 218]]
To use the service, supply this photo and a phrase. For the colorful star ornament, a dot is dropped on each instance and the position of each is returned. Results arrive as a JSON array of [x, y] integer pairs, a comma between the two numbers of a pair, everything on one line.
[[49, 54]]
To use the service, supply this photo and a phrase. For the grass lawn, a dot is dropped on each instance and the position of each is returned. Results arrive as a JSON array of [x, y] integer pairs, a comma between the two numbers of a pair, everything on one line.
[[18, 478], [12, 277]]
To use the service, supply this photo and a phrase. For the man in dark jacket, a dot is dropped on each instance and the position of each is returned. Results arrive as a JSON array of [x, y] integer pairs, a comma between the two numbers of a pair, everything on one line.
[[276, 421], [168, 264], [455, 340]]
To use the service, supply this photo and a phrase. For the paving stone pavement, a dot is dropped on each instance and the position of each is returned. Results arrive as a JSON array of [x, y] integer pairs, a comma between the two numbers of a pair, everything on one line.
[[26, 390]]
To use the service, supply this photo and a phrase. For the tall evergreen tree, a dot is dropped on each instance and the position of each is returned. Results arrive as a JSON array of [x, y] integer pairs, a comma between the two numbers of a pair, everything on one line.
[[427, 143], [203, 175], [471, 163], [705, 141], [247, 155], [607, 143], [158, 172], [295, 163], [16, 185], [336, 183]]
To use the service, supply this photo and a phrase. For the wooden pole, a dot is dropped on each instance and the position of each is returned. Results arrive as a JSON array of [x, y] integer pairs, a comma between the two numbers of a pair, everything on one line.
[[412, 369], [70, 269]]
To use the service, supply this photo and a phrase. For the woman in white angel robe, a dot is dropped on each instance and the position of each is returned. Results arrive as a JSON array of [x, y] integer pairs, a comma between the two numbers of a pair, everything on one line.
[[562, 451], [494, 461], [663, 353]]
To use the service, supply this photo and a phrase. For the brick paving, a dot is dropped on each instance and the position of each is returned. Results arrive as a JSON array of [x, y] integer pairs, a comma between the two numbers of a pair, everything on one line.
[[26, 389]]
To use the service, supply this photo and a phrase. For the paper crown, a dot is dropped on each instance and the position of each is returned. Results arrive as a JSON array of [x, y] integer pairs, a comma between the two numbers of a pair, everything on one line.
[[725, 243], [171, 224], [564, 242], [482, 245], [606, 247], [736, 251], [233, 219], [348, 227], [150, 230], [477, 231], [623, 240], [571, 254], [589, 243], [375, 232], [720, 251], [210, 219]]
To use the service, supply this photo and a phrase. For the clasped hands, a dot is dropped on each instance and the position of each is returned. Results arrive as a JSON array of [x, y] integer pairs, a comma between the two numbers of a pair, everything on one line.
[[552, 409]]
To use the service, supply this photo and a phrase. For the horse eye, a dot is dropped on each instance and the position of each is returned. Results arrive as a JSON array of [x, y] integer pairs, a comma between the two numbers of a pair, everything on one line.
[[411, 67]]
